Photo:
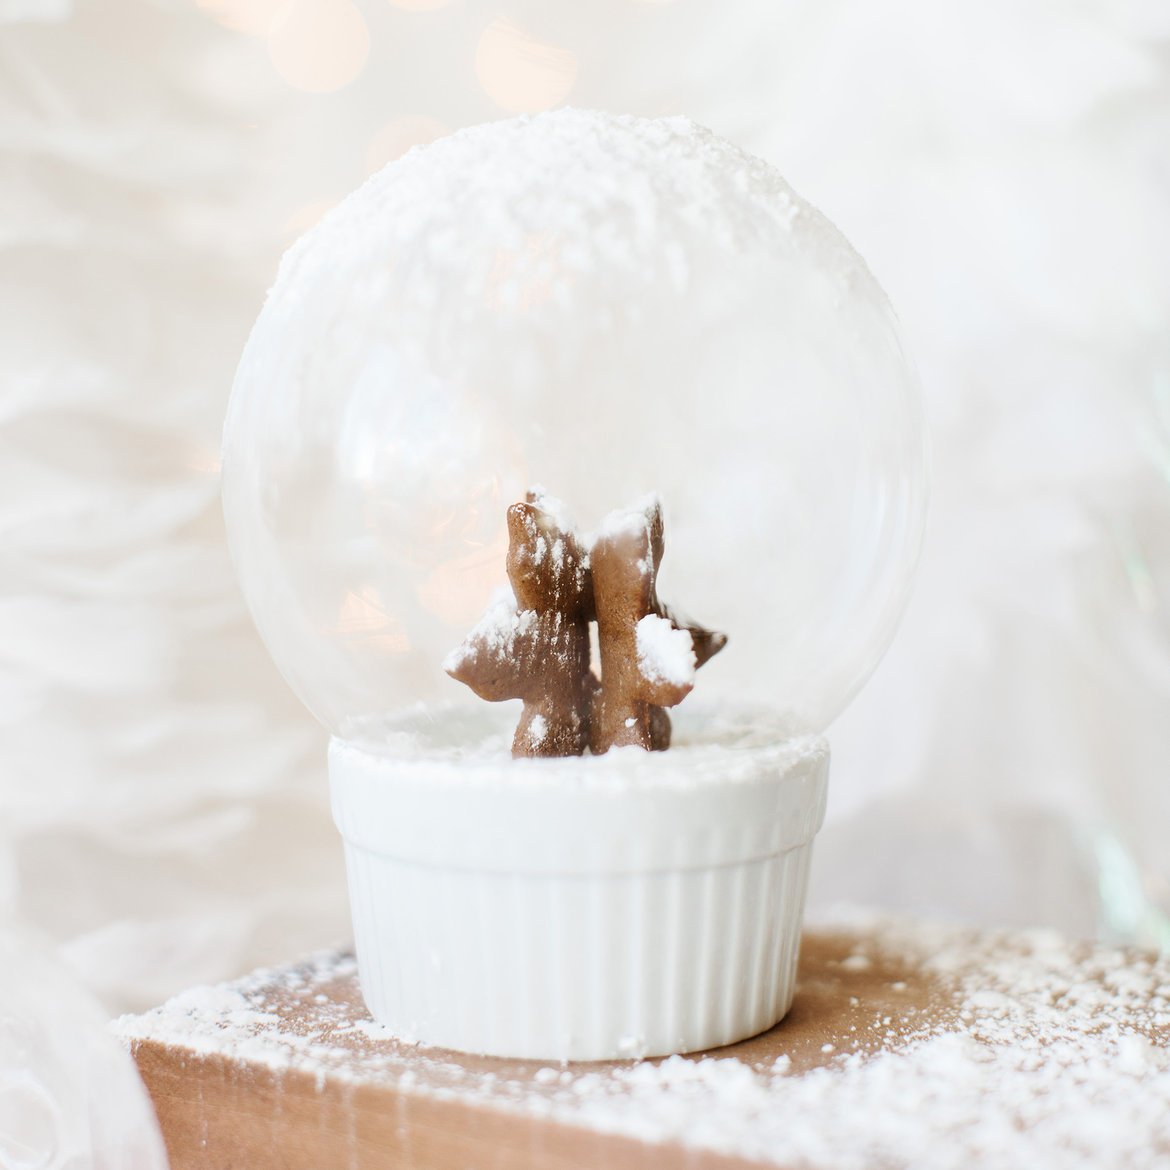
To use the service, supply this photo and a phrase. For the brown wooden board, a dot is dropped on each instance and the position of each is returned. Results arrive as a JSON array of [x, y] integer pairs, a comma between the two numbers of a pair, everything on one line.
[[300, 1079]]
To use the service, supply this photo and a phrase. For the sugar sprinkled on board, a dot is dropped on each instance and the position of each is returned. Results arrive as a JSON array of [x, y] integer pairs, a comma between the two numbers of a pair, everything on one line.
[[1054, 1069], [1048, 1054]]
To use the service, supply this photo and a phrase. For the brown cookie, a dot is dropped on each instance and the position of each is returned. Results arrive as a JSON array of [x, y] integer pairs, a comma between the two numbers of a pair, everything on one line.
[[534, 646], [648, 656]]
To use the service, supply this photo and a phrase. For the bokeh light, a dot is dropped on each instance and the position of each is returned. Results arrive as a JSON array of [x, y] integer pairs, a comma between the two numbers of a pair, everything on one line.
[[253, 17], [521, 73], [319, 45]]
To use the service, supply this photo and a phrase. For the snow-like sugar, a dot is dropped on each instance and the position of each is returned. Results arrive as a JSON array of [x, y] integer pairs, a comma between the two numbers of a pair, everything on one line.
[[537, 729], [552, 505], [458, 745], [499, 628], [631, 521], [665, 653]]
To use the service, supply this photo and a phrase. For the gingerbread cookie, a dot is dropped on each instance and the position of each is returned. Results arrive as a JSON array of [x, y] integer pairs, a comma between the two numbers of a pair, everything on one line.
[[534, 644], [648, 656]]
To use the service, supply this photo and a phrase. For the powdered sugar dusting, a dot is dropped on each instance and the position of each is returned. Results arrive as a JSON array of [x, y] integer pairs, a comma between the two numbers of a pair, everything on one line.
[[552, 506], [538, 729], [665, 653], [457, 746], [1009, 1050], [499, 628], [631, 521]]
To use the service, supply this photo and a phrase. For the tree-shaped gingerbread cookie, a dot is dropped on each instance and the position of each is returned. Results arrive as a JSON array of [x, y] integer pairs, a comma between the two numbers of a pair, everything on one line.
[[648, 656], [534, 645]]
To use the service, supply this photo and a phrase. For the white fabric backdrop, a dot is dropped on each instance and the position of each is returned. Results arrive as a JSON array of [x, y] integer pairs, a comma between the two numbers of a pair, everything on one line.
[[1004, 167]]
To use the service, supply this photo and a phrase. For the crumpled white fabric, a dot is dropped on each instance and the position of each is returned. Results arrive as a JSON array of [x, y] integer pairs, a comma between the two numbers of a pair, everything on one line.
[[69, 1092], [1002, 167]]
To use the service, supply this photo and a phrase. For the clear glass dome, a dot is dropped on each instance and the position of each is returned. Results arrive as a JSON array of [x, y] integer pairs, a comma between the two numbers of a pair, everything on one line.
[[606, 306]]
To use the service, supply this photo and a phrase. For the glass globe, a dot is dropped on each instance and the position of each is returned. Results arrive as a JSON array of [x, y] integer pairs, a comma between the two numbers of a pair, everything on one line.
[[605, 306]]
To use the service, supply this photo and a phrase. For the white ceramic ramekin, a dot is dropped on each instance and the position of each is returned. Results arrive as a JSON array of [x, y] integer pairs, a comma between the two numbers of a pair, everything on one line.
[[630, 905]]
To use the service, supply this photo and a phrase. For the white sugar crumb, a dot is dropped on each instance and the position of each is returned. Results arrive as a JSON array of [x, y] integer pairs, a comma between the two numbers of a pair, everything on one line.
[[537, 729], [552, 506], [665, 653], [1050, 1055], [631, 521], [632, 1046]]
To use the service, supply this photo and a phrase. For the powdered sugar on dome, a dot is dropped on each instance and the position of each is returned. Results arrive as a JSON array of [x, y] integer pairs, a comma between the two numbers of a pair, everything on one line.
[[631, 194], [502, 229]]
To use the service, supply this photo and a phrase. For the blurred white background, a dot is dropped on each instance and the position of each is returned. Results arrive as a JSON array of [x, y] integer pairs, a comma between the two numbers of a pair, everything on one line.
[[1005, 169]]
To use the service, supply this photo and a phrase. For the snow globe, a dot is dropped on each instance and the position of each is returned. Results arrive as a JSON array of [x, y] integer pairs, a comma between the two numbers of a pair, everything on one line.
[[635, 324]]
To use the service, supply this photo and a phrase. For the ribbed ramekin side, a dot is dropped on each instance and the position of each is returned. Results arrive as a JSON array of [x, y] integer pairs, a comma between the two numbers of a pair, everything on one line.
[[568, 967]]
